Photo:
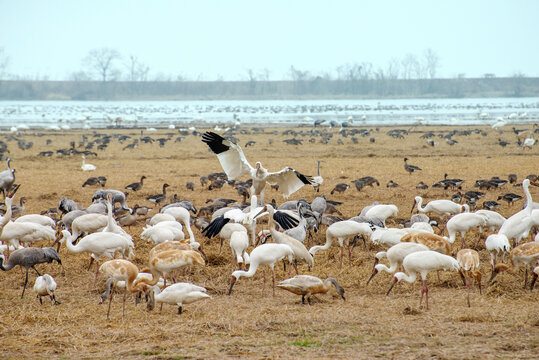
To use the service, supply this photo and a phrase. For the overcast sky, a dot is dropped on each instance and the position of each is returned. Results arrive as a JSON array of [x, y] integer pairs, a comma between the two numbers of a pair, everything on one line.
[[225, 38]]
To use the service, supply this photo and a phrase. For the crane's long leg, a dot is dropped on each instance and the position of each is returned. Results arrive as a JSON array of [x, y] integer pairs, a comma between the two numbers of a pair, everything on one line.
[[25, 282], [264, 283], [525, 278], [110, 299], [462, 277], [273, 280], [125, 295], [462, 242], [468, 290], [38, 274]]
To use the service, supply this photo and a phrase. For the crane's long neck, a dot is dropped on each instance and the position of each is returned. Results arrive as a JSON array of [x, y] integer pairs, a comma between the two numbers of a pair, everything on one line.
[[318, 167], [529, 200], [410, 278], [420, 205], [7, 216], [391, 269], [252, 270], [9, 265], [69, 242], [187, 224]]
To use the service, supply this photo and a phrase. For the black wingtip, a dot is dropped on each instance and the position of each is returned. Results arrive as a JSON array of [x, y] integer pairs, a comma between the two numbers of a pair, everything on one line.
[[215, 142], [306, 179], [286, 221]]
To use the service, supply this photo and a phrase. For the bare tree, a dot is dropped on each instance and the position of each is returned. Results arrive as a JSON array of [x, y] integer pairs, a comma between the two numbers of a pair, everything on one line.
[[411, 67], [136, 70], [4, 62], [432, 62], [393, 69], [102, 62]]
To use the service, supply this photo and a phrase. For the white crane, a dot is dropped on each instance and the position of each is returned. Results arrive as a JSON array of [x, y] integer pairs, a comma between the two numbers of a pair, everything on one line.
[[268, 255], [468, 260], [461, 223], [395, 255], [496, 245], [26, 232], [494, 219], [85, 166], [525, 254], [99, 244], [177, 294], [161, 233], [382, 212], [37, 219], [160, 217], [308, 285], [182, 214], [87, 224], [239, 242], [518, 225], [442, 207], [423, 262], [342, 231], [235, 164], [45, 286], [300, 251]]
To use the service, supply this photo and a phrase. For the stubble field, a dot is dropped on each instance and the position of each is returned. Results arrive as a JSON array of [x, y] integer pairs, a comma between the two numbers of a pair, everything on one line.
[[503, 322]]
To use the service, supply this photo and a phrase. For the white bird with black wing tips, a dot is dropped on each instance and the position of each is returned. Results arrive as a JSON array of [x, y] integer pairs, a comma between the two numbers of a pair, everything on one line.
[[235, 164]]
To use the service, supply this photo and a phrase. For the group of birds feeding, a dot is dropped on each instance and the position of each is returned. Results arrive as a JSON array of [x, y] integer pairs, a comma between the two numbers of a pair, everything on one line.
[[417, 249]]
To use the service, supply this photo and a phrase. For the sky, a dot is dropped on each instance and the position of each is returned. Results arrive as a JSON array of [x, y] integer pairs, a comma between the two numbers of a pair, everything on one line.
[[225, 39]]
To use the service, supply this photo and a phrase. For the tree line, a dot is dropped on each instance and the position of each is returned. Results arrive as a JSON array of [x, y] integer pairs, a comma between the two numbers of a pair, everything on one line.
[[106, 74]]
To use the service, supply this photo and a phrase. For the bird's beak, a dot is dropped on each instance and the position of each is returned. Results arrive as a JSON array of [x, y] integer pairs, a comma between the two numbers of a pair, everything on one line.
[[494, 273], [391, 287], [413, 206], [264, 209], [232, 282], [203, 254], [374, 272]]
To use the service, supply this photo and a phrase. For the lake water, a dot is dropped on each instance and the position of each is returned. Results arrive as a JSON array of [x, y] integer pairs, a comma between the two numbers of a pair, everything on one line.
[[162, 114]]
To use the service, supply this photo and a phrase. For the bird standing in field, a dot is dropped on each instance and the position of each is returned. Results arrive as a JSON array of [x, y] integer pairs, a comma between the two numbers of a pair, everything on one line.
[[469, 267], [266, 254], [29, 258], [423, 262], [235, 164], [177, 294], [85, 166], [136, 185], [45, 286], [525, 254], [159, 198], [410, 168], [119, 270], [308, 285]]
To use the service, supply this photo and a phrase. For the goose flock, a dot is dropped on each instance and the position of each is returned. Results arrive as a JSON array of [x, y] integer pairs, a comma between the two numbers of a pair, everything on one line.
[[271, 226]]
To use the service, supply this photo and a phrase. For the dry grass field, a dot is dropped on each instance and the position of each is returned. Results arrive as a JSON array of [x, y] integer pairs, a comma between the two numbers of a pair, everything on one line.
[[503, 322]]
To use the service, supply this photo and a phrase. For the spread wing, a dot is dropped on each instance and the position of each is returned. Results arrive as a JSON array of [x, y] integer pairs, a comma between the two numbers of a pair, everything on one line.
[[229, 154], [289, 180]]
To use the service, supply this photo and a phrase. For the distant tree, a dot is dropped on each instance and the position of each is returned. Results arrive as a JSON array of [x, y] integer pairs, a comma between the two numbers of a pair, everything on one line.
[[136, 70], [4, 62], [517, 81], [410, 67], [393, 69], [432, 62], [102, 63], [79, 76]]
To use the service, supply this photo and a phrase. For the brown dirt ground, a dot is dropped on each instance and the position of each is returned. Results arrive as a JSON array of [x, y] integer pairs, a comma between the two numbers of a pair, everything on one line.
[[502, 323]]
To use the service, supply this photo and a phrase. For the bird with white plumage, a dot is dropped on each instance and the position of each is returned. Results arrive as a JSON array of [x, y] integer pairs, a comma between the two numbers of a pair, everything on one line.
[[45, 286], [382, 212], [343, 231], [441, 207], [395, 255], [264, 255], [423, 262], [462, 223], [177, 294]]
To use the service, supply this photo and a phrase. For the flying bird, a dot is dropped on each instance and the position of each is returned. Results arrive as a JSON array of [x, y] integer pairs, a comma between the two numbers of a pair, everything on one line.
[[235, 164]]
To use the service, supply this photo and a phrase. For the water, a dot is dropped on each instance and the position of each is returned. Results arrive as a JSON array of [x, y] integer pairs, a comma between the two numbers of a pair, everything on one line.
[[162, 114]]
